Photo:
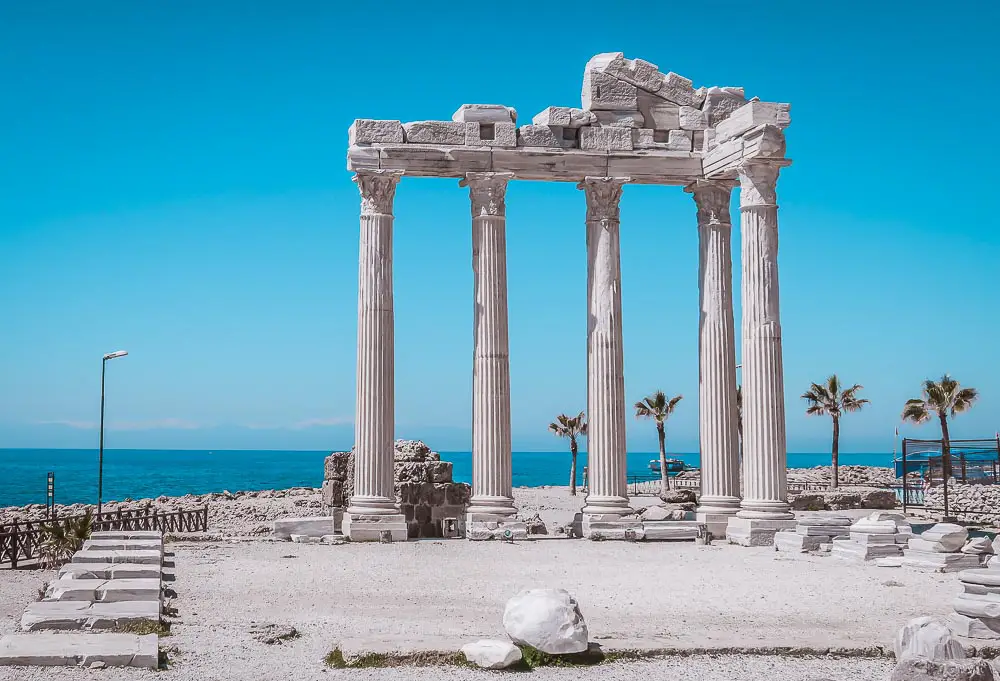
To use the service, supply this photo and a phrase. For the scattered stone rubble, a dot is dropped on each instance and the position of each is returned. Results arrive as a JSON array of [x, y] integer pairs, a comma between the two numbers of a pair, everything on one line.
[[115, 579], [977, 608], [944, 548], [812, 533], [424, 488], [879, 535], [926, 650]]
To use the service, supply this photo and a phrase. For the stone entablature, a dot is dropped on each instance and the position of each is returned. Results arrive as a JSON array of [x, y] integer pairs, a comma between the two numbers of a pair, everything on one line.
[[635, 122]]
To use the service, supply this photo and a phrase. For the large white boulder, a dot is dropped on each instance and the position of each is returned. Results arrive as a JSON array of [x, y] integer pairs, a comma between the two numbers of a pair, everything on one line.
[[927, 637], [978, 545], [546, 619], [490, 654]]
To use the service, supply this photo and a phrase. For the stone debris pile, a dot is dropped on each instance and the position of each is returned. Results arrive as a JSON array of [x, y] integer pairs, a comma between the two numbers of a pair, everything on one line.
[[879, 535], [114, 580], [627, 105], [428, 497], [945, 547], [812, 533], [926, 650]]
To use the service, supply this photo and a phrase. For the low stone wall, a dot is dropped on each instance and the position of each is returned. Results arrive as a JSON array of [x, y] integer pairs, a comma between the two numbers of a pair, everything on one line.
[[843, 499], [969, 503], [423, 484]]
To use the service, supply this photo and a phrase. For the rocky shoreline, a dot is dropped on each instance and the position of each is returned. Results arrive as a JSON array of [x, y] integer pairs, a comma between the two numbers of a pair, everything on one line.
[[251, 513]]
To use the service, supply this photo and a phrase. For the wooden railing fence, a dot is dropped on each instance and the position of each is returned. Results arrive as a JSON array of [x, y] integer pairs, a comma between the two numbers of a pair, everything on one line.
[[19, 541]]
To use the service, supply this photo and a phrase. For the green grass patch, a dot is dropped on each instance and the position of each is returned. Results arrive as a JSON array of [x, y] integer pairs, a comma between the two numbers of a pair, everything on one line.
[[532, 658], [336, 660], [143, 628]]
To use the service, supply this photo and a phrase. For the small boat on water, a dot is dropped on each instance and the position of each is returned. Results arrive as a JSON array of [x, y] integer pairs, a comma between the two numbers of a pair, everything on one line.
[[674, 466]]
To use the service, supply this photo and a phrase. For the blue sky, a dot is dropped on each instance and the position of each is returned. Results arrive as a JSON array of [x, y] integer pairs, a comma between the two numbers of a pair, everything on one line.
[[173, 183]]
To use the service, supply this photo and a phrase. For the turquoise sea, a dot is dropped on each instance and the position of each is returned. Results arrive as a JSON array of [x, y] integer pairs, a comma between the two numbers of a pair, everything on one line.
[[145, 473]]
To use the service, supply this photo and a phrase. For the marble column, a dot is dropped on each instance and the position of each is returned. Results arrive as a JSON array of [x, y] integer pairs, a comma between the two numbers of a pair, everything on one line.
[[764, 454], [373, 508], [720, 480], [492, 495], [607, 494]]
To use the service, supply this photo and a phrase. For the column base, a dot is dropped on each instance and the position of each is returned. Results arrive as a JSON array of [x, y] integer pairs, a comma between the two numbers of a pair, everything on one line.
[[501, 507], [606, 506], [755, 531], [369, 527], [371, 505], [765, 509]]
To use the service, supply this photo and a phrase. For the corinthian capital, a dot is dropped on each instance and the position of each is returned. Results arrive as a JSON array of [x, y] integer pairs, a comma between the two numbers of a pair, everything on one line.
[[603, 196], [712, 198], [488, 193], [757, 183], [378, 188]]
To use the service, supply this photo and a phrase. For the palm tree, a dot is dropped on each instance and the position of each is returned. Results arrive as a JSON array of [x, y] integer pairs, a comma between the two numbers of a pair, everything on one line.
[[830, 400], [60, 539], [659, 407], [571, 427], [947, 398]]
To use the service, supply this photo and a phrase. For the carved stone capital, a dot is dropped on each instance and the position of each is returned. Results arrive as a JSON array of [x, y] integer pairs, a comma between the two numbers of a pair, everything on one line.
[[378, 188], [757, 183], [603, 196], [487, 192], [712, 198]]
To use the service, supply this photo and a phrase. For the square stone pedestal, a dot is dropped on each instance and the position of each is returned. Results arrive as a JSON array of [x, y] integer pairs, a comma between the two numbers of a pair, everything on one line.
[[486, 527], [360, 527], [754, 531], [715, 523]]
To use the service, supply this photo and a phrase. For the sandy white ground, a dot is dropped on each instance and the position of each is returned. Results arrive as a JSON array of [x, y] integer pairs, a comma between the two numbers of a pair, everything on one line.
[[437, 595]]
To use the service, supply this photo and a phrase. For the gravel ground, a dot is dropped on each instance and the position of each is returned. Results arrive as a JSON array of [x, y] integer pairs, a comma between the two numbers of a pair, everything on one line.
[[437, 595], [697, 668]]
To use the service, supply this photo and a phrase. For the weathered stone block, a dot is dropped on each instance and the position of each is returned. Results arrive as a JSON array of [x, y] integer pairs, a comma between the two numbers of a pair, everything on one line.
[[336, 466], [564, 116], [369, 131], [620, 119], [147, 557], [422, 514], [333, 493], [604, 92], [485, 113], [642, 138], [606, 139], [661, 115], [458, 494], [86, 615], [104, 590], [433, 494], [109, 571], [751, 115], [434, 132], [491, 134], [679, 140], [411, 472], [408, 512], [439, 471], [315, 526], [553, 137], [720, 102], [408, 492], [677, 89], [692, 118], [83, 650]]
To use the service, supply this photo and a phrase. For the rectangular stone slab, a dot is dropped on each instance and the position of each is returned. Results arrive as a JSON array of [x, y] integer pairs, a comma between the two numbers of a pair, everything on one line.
[[123, 545], [127, 534], [104, 590], [53, 650], [144, 557], [317, 526], [110, 571], [85, 615]]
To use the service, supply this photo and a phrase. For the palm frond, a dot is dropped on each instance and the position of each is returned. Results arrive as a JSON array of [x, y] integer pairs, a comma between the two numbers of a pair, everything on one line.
[[916, 411]]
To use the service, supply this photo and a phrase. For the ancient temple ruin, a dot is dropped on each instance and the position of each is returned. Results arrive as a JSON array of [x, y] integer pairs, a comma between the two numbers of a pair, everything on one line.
[[636, 125]]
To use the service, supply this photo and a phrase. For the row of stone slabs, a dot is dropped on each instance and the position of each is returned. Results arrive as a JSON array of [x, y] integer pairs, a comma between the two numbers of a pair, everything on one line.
[[114, 580]]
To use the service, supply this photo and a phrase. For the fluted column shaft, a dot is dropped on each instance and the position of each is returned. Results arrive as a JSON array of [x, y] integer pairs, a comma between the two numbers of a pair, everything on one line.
[[374, 419], [720, 482], [491, 450], [764, 453], [607, 490]]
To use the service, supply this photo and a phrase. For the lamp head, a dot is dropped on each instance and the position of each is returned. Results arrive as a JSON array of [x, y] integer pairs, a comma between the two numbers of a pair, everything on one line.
[[113, 355]]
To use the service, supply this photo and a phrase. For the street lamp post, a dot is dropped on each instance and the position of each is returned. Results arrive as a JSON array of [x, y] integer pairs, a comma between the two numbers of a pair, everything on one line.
[[100, 459]]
